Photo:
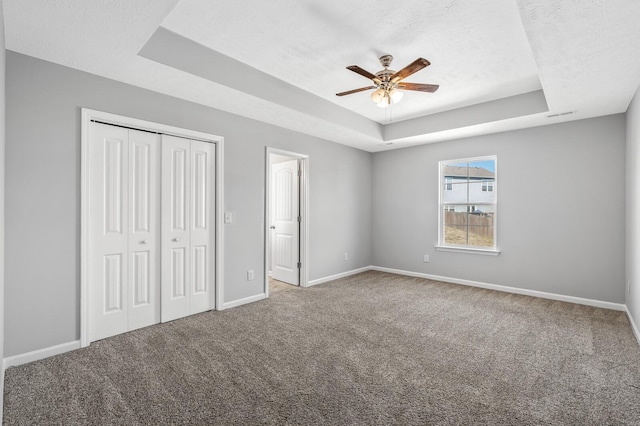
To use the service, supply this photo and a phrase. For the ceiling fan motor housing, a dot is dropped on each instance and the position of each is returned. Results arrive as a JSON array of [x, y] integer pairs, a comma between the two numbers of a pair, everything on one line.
[[385, 74]]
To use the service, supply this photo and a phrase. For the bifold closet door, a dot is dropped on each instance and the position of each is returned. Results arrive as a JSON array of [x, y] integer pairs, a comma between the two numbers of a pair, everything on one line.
[[188, 226], [123, 230]]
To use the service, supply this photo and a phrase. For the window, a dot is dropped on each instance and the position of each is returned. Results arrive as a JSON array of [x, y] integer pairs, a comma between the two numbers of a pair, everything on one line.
[[468, 201], [487, 186], [448, 184]]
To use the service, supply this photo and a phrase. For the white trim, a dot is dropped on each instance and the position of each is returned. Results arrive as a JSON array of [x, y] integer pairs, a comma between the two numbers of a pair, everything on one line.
[[634, 327], [87, 116], [39, 354], [240, 302], [151, 126], [506, 289], [469, 250], [340, 275], [84, 231], [304, 214], [219, 243]]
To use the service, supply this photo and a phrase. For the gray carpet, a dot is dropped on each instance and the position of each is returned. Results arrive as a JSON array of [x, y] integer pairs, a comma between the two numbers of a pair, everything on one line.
[[370, 349]]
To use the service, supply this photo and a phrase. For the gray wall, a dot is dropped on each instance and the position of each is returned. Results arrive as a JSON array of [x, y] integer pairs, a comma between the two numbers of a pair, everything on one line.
[[633, 209], [560, 206], [573, 246], [2, 167], [43, 193]]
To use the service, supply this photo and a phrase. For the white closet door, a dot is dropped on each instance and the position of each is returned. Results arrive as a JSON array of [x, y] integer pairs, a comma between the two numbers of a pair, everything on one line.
[[187, 227], [202, 226], [151, 237], [144, 230], [108, 224], [123, 230], [175, 227]]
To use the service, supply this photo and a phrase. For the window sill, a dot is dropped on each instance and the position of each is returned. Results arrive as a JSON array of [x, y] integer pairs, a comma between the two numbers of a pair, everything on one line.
[[486, 252]]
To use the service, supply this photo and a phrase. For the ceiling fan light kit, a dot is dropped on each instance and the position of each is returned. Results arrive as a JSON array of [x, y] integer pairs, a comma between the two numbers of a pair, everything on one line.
[[387, 81]]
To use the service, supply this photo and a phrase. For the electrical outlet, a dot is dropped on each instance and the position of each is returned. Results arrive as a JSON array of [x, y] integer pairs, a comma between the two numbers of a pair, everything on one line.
[[346, 257], [250, 275], [426, 258], [228, 217]]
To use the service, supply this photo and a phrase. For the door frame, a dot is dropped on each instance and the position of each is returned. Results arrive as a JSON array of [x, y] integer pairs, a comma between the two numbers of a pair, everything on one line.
[[89, 115], [304, 215]]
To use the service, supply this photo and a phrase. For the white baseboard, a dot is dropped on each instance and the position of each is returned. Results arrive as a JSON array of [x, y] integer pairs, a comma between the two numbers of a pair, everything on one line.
[[634, 327], [39, 354], [506, 289], [239, 302], [340, 275]]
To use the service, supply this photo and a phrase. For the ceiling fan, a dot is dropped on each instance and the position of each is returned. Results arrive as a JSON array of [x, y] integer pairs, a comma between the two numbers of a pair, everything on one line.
[[387, 81]]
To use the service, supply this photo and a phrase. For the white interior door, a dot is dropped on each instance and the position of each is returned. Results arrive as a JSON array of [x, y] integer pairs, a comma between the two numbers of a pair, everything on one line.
[[285, 219], [144, 230], [175, 227], [187, 227], [123, 231], [202, 235]]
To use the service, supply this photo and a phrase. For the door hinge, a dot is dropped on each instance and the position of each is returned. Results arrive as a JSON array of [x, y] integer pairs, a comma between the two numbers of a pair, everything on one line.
[[299, 173], [299, 219], [299, 265]]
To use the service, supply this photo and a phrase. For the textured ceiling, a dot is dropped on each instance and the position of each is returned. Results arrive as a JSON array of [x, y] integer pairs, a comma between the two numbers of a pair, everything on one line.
[[494, 60], [309, 44]]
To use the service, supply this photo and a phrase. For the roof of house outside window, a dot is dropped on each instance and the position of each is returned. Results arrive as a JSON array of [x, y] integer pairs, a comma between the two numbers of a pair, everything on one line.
[[474, 172]]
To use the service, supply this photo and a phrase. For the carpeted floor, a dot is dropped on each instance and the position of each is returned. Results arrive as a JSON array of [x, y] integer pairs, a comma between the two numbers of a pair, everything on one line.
[[370, 349]]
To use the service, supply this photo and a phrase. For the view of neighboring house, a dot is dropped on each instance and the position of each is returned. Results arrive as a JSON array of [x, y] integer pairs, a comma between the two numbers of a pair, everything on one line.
[[468, 188]]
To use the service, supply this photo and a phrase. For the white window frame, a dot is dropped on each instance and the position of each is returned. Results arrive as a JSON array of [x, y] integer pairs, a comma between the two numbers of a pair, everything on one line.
[[463, 248]]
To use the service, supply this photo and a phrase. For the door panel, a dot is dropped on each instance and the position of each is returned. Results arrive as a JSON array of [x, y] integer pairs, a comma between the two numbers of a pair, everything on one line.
[[199, 269], [113, 283], [179, 186], [113, 175], [141, 279], [285, 213], [144, 242], [202, 184], [179, 273], [175, 227], [107, 256]]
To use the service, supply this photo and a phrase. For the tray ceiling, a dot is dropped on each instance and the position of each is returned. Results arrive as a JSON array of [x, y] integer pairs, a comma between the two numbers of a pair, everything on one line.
[[500, 64]]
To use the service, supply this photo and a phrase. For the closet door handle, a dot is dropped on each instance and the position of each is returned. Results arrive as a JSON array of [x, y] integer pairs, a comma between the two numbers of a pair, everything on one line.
[[144, 242], [176, 239]]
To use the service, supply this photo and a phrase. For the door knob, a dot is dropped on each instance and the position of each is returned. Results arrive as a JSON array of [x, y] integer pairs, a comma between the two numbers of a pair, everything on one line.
[[144, 242], [176, 239], [272, 227]]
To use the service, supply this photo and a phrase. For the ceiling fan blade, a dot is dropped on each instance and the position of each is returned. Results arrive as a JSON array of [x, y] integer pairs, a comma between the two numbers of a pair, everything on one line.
[[362, 89], [364, 73], [419, 87], [413, 67]]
